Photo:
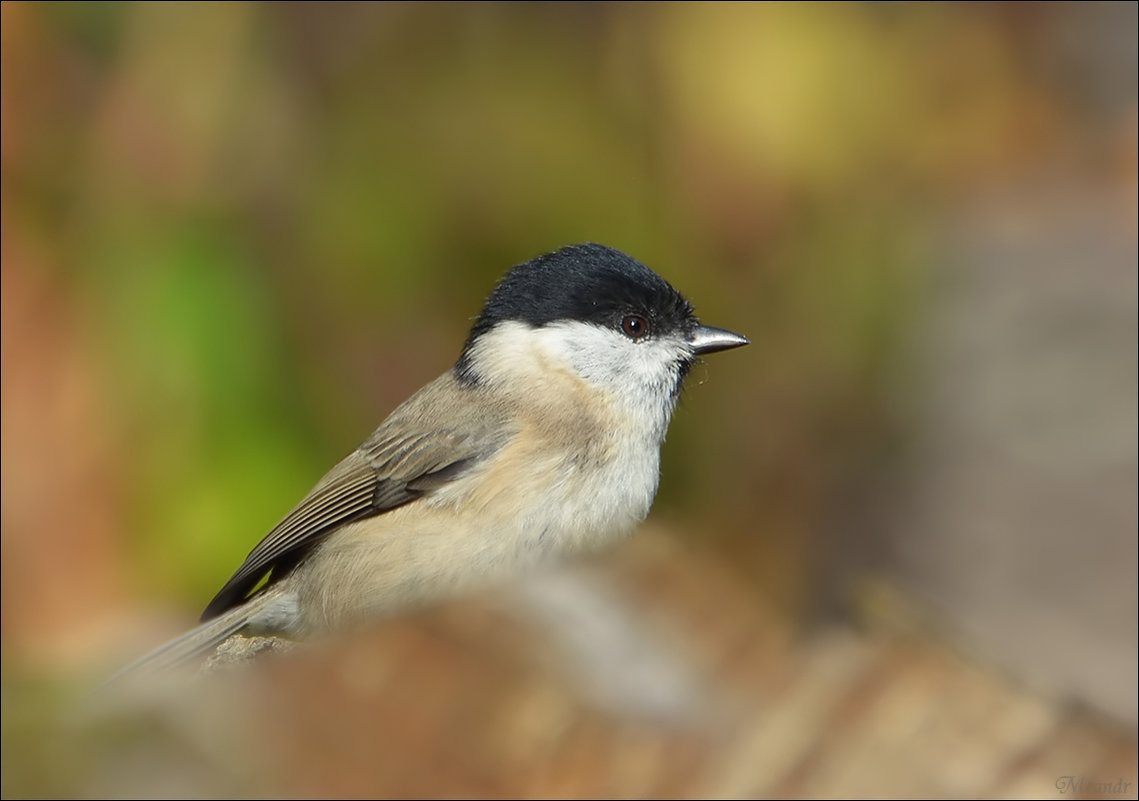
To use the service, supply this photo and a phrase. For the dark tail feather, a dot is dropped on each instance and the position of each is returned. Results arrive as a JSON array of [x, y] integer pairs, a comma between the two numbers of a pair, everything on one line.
[[195, 643]]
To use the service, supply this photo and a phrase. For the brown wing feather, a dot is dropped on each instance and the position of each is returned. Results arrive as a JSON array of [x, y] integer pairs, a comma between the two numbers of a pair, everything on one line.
[[407, 457]]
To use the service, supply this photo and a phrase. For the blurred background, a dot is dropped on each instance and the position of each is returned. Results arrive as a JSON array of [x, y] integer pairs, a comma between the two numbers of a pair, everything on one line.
[[894, 550]]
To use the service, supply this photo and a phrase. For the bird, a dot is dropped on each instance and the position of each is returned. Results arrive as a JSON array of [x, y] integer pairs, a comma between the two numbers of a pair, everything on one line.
[[542, 440]]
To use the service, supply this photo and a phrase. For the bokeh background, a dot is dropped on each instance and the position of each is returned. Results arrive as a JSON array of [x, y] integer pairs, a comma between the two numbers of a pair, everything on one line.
[[894, 550]]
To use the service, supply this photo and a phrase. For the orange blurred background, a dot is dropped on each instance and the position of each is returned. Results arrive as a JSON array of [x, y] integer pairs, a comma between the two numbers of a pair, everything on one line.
[[236, 235]]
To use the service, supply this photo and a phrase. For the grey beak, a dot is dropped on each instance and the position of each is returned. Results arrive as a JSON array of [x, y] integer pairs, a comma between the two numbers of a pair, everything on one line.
[[706, 339]]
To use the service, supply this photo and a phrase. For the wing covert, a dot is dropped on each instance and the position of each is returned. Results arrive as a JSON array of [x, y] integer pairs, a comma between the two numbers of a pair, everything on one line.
[[402, 461]]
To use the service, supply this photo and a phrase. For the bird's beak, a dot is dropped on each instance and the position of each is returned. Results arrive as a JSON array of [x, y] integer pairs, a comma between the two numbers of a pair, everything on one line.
[[706, 339]]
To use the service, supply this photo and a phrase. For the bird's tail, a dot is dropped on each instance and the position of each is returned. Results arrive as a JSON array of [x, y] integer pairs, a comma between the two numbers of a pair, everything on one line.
[[197, 642]]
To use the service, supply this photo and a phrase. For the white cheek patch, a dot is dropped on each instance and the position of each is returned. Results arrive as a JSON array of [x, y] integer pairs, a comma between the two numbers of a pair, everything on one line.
[[642, 377]]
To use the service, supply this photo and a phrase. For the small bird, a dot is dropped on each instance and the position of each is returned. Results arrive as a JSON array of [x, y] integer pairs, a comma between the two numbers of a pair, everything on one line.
[[544, 438]]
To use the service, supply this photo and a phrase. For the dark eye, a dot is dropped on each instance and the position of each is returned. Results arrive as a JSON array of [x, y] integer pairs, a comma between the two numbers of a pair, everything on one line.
[[634, 326]]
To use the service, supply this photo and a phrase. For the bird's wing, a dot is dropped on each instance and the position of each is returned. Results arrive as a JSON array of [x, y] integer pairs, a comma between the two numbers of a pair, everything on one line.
[[420, 448]]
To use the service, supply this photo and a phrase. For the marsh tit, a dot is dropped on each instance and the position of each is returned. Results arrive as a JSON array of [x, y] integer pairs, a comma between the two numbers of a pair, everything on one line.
[[544, 438]]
